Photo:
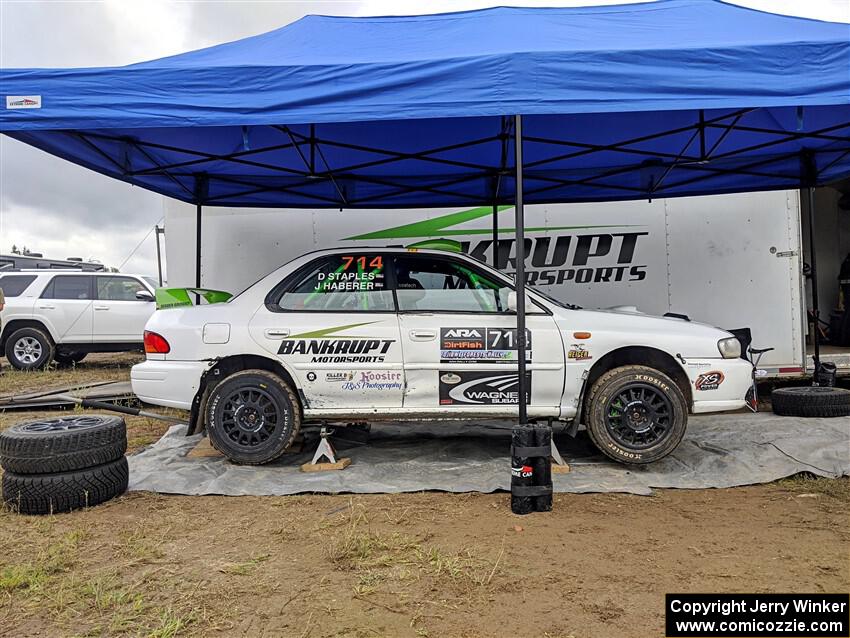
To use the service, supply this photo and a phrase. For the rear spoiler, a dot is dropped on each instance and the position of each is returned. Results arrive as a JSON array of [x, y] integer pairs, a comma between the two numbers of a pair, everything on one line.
[[177, 297]]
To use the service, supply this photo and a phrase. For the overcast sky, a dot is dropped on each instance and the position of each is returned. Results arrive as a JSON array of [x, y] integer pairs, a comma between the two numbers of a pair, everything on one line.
[[60, 209]]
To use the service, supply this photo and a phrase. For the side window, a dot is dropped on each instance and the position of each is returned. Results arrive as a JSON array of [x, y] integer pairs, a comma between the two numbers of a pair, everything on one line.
[[14, 285], [68, 287], [428, 284], [341, 283], [111, 288]]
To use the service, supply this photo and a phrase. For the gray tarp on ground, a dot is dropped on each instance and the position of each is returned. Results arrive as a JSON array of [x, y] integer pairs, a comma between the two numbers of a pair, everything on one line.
[[718, 451]]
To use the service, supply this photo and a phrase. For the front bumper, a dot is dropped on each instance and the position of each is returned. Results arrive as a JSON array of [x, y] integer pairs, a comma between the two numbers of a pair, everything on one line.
[[172, 384], [719, 385]]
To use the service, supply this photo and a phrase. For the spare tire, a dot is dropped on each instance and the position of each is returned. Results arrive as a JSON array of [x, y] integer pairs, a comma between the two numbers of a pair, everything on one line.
[[811, 401], [62, 444], [65, 491]]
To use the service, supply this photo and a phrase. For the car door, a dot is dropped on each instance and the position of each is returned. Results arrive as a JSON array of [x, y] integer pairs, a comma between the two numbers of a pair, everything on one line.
[[119, 316], [66, 305], [459, 340], [333, 325]]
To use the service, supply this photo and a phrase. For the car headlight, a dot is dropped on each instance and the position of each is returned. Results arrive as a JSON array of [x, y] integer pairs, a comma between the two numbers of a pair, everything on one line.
[[730, 348]]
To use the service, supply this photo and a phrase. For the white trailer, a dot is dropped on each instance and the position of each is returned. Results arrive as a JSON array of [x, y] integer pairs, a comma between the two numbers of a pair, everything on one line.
[[729, 260]]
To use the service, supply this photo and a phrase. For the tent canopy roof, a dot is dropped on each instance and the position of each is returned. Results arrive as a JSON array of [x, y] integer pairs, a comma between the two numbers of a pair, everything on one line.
[[666, 98]]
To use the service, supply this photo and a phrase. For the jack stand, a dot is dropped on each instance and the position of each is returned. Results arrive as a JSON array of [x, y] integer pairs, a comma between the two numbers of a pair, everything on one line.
[[325, 450], [559, 465]]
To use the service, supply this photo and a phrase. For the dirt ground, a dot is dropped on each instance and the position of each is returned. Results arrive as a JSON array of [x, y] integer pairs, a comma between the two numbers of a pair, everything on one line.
[[426, 564]]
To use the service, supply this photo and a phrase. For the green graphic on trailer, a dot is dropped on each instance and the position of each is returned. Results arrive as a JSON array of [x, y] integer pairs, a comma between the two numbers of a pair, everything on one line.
[[442, 226]]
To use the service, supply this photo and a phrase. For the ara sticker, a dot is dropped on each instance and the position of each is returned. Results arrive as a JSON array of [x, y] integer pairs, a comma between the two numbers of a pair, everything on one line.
[[481, 345], [709, 380]]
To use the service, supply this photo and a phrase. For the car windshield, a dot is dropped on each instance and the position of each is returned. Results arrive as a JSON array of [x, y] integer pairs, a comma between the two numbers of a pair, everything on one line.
[[534, 289]]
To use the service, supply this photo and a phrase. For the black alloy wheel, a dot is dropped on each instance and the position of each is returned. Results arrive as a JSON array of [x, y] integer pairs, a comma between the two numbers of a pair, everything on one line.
[[639, 416], [252, 417], [636, 414]]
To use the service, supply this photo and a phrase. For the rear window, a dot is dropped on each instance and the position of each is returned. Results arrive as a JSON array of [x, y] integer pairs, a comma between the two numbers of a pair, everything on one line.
[[68, 287], [14, 285]]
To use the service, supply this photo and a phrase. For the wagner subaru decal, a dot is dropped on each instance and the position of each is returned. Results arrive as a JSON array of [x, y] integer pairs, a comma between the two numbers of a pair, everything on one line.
[[481, 388], [336, 349], [484, 345]]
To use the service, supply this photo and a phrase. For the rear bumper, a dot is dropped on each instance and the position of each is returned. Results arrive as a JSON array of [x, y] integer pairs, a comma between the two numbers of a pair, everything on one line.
[[719, 385], [172, 384]]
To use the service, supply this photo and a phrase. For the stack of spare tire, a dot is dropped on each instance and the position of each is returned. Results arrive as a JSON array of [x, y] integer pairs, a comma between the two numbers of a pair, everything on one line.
[[61, 464]]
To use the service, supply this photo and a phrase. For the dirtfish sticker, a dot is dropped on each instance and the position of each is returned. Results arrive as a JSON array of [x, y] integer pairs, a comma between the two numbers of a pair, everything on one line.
[[577, 352], [484, 345], [709, 380], [23, 101], [336, 349], [481, 388]]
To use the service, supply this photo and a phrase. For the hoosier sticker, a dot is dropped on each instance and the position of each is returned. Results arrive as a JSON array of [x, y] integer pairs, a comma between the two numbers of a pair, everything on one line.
[[481, 388], [485, 345]]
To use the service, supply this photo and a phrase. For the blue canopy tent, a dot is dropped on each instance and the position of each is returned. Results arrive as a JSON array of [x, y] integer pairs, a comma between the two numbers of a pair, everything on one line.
[[503, 106]]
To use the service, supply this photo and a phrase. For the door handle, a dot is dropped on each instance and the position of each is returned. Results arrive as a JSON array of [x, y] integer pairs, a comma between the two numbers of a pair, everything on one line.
[[277, 333], [423, 335], [47, 307], [101, 307]]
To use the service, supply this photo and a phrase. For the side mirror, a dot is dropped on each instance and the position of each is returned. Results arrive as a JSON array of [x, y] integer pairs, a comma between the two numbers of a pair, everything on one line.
[[512, 301], [144, 295]]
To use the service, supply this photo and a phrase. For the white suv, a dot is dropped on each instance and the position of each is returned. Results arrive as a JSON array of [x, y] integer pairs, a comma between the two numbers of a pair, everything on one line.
[[63, 315]]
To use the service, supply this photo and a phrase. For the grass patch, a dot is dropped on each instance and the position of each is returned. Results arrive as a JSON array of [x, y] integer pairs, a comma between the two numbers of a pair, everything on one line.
[[171, 624], [32, 576], [389, 561], [807, 483], [244, 568]]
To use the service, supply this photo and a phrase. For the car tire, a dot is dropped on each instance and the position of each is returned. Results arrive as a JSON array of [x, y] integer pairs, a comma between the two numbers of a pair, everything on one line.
[[62, 444], [68, 357], [29, 349], [252, 417], [654, 427], [811, 401], [65, 491]]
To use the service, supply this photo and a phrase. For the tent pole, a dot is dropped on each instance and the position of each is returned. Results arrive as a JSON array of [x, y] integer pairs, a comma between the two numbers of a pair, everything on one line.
[[159, 231], [520, 273], [198, 211], [813, 260], [495, 236], [201, 192]]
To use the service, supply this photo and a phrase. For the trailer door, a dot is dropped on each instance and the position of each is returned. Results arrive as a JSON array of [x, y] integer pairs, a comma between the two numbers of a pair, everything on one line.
[[734, 262]]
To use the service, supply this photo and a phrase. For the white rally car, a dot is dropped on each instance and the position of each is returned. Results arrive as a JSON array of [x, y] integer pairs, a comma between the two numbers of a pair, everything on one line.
[[405, 334]]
